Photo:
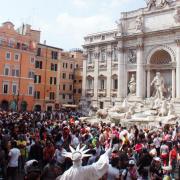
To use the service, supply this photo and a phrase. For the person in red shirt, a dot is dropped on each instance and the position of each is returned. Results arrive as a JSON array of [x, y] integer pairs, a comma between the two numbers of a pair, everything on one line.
[[173, 158], [48, 152]]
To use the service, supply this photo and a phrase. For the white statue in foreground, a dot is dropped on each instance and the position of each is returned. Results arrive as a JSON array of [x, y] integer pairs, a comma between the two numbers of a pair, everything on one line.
[[79, 172]]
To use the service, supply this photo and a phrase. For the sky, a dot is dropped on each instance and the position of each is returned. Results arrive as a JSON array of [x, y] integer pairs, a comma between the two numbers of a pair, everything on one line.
[[64, 23]]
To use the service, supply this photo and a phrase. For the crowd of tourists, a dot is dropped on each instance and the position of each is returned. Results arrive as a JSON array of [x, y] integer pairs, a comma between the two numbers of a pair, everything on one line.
[[32, 146]]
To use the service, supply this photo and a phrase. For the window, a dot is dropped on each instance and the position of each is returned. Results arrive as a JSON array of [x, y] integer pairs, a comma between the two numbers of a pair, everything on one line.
[[11, 42], [54, 54], [5, 88], [70, 96], [63, 96], [14, 88], [102, 84], [90, 57], [71, 66], [51, 95], [115, 84], [24, 46], [16, 57], [52, 80], [31, 74], [38, 64], [1, 40], [8, 55], [64, 87], [53, 67], [39, 52], [32, 59], [30, 90], [63, 65], [66, 65], [79, 91], [37, 79], [114, 54], [6, 70], [90, 84], [15, 72], [74, 81], [18, 45], [103, 37], [74, 91], [103, 55], [64, 75], [37, 94], [55, 81], [70, 87], [80, 81], [77, 66]]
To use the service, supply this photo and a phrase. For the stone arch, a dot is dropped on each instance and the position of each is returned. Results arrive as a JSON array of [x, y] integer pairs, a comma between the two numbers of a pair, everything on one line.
[[161, 48], [102, 76], [114, 76], [37, 107], [4, 105], [90, 77]]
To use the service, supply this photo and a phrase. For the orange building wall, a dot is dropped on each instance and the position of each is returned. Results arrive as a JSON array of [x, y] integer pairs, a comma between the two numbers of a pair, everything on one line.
[[8, 32]]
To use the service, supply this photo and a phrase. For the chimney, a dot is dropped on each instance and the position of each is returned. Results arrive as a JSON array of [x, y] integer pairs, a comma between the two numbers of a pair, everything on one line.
[[44, 42]]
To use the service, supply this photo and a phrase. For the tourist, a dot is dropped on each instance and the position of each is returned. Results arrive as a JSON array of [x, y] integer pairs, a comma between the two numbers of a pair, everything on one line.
[[164, 152], [130, 173], [113, 170], [156, 172], [14, 155]]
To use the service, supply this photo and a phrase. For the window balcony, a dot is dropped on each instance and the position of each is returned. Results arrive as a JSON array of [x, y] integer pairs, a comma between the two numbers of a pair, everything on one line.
[[90, 92], [114, 92], [102, 92], [90, 65]]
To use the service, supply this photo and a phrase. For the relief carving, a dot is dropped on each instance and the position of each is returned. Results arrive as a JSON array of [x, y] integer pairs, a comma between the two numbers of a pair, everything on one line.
[[177, 15], [139, 23], [132, 56]]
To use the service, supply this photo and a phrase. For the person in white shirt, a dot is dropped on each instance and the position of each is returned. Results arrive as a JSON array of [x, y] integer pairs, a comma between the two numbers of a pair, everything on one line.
[[157, 143], [14, 155]]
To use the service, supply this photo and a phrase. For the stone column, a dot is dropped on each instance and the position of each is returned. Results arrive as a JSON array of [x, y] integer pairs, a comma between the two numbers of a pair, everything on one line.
[[84, 77], [140, 88], [178, 69], [121, 87], [109, 72], [148, 84], [96, 74], [173, 83]]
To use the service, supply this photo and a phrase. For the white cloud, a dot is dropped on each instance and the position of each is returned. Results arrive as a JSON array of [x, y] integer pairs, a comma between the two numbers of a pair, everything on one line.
[[75, 28]]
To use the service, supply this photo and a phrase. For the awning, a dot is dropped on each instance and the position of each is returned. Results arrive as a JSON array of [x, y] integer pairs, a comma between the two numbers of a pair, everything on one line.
[[70, 106]]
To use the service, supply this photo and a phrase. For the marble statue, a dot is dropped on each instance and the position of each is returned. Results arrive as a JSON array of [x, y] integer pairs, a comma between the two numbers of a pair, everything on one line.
[[163, 110], [177, 15], [158, 83], [132, 85], [150, 3], [102, 113], [139, 23], [171, 109], [120, 27], [157, 3]]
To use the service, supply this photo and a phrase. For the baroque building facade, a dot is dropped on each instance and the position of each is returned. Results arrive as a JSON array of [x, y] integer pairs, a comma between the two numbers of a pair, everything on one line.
[[122, 63]]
